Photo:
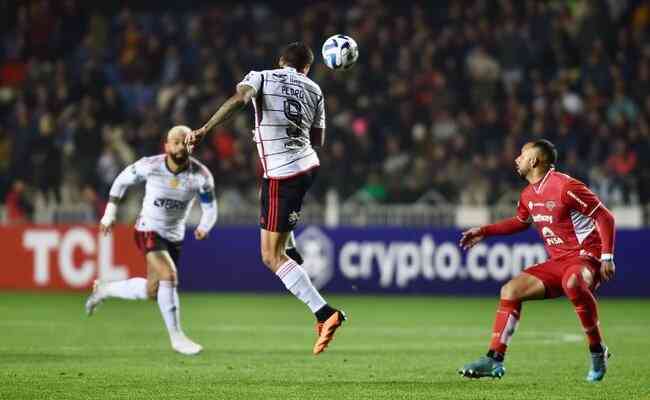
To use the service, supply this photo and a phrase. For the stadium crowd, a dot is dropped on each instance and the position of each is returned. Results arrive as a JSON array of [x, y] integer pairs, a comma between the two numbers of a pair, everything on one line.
[[443, 96]]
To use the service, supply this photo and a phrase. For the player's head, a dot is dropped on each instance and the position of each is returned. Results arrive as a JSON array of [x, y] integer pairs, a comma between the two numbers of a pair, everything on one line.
[[175, 144], [297, 55], [539, 154]]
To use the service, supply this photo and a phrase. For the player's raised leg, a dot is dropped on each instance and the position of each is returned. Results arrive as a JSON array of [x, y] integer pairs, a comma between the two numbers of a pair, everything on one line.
[[577, 283], [128, 289], [161, 268], [297, 281], [521, 288]]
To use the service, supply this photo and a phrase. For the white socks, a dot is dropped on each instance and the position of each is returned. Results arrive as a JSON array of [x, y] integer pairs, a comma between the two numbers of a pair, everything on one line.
[[136, 289], [297, 281], [130, 289], [169, 307]]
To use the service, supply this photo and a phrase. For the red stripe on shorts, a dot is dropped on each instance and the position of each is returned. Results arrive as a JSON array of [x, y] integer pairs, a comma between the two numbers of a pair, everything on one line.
[[269, 222], [275, 206]]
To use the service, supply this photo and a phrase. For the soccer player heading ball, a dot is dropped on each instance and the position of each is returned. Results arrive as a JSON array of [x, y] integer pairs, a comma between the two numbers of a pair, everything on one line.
[[578, 233], [289, 123]]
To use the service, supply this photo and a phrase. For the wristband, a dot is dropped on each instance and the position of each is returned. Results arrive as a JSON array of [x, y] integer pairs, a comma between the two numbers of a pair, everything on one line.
[[607, 257], [109, 214]]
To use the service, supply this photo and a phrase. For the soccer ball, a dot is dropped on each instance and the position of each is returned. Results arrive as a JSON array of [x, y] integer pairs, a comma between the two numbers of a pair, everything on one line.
[[340, 52]]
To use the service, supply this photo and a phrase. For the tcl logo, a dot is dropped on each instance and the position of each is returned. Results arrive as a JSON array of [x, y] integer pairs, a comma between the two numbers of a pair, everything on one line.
[[96, 260]]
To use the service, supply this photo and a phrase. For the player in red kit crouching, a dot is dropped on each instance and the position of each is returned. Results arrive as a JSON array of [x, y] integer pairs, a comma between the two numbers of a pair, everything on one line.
[[578, 233]]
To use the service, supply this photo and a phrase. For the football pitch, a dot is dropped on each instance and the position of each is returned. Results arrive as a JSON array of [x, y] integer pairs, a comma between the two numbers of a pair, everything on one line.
[[259, 347]]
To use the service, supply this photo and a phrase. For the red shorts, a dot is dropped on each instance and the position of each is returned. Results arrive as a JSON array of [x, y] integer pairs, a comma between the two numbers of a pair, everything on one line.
[[551, 272], [152, 241]]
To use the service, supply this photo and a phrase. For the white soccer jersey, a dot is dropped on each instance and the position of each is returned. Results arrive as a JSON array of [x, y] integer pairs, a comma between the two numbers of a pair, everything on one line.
[[287, 105], [169, 197]]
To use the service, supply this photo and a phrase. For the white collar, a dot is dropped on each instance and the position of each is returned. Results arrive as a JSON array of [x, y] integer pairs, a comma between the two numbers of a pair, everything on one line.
[[292, 69], [540, 187]]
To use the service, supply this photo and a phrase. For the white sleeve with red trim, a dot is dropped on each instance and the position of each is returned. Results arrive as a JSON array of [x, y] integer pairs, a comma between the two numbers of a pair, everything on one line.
[[131, 175], [252, 79], [577, 196]]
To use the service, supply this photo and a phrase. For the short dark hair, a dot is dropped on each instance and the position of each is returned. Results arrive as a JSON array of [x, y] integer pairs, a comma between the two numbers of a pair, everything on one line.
[[297, 55], [547, 151]]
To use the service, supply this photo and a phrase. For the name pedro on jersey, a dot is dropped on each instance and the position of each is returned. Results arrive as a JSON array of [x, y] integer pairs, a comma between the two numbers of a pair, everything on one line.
[[289, 91], [170, 204]]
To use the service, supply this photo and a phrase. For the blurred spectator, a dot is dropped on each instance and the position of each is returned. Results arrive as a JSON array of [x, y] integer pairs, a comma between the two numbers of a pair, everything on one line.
[[621, 163], [5, 158], [18, 207], [374, 191], [95, 203], [441, 89], [45, 157], [622, 108], [484, 70], [108, 167]]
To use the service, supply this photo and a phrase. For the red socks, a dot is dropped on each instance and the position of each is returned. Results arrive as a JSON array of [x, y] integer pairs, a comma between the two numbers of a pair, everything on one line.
[[584, 302], [578, 292], [505, 324]]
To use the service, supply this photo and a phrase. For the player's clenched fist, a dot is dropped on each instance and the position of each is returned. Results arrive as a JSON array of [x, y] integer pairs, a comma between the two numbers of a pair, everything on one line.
[[607, 269], [200, 234], [194, 138], [106, 229], [108, 219]]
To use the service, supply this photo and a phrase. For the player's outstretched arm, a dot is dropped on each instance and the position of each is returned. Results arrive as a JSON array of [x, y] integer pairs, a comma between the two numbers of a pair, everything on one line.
[[236, 102], [508, 226], [129, 176]]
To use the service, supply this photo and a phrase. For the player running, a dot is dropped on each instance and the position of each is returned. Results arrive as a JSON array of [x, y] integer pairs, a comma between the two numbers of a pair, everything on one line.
[[289, 123], [173, 180], [578, 233]]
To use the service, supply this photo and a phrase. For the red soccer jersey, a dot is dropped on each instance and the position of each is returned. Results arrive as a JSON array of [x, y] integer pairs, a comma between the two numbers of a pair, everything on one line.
[[561, 207]]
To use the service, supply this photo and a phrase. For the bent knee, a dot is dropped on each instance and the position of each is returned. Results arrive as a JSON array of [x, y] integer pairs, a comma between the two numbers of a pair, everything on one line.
[[167, 276], [270, 258], [152, 291], [267, 258], [509, 291]]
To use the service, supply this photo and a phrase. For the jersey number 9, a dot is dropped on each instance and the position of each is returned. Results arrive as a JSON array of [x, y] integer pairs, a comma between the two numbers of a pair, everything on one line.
[[293, 112]]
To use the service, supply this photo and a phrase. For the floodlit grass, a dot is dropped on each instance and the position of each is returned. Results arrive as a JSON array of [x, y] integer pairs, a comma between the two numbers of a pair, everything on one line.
[[259, 347]]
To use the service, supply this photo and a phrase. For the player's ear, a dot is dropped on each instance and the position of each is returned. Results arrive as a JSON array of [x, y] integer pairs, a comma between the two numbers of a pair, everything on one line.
[[534, 161]]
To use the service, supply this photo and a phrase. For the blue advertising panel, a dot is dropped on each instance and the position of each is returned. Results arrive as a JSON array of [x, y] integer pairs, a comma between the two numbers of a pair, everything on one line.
[[377, 260]]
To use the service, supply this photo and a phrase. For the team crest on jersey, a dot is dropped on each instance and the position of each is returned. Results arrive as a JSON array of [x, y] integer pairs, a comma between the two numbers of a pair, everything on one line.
[[174, 183], [530, 205], [550, 205]]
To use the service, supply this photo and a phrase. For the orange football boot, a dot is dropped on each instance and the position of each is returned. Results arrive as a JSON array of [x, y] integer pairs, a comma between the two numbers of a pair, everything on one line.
[[326, 330]]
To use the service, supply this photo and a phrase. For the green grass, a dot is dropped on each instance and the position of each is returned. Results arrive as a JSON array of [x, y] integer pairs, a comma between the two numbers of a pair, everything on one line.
[[259, 347]]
